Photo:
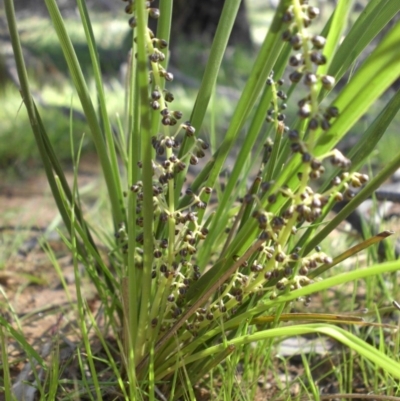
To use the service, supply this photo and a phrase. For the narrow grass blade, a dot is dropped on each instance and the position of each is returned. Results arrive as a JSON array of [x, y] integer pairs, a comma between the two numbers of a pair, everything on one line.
[[377, 73], [110, 139], [209, 80], [361, 347], [322, 317], [351, 252], [336, 28], [30, 351], [90, 113], [5, 366], [371, 21]]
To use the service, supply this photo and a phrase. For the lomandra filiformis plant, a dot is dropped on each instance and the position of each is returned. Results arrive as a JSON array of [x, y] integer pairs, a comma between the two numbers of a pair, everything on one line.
[[200, 273]]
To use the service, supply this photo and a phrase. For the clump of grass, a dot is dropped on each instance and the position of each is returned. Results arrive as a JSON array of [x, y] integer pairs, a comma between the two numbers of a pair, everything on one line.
[[194, 275]]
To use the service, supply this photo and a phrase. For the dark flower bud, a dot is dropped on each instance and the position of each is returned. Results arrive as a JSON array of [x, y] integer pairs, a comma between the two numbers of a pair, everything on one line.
[[168, 76], [295, 147], [154, 13], [349, 194], [310, 79], [328, 81], [318, 41], [169, 97], [286, 36], [363, 178], [166, 121], [168, 142], [296, 60], [200, 153], [303, 270], [288, 213], [193, 160], [305, 111], [132, 22], [296, 41], [155, 105], [129, 8], [313, 124], [288, 16], [256, 267], [280, 257], [282, 95], [164, 112], [315, 164], [332, 111], [293, 135], [162, 44], [177, 114], [306, 22], [154, 57], [201, 205], [317, 58], [287, 271], [313, 12], [196, 276], [280, 285], [295, 76], [314, 175], [180, 166], [325, 125], [338, 197]]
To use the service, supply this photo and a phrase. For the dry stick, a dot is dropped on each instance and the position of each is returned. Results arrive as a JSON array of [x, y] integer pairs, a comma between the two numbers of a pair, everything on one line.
[[201, 300]]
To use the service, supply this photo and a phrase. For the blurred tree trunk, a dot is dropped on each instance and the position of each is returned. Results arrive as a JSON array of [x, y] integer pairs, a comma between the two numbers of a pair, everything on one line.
[[199, 20]]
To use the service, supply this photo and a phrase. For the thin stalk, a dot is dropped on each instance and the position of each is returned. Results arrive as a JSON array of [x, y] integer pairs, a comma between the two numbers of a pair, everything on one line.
[[134, 282], [147, 171], [164, 26], [279, 130]]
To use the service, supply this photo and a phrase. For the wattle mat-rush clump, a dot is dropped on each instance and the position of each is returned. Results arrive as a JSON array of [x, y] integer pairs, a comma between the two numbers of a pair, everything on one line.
[[194, 275]]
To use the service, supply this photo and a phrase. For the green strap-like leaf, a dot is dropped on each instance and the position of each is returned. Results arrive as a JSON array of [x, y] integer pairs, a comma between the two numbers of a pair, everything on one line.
[[87, 105]]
